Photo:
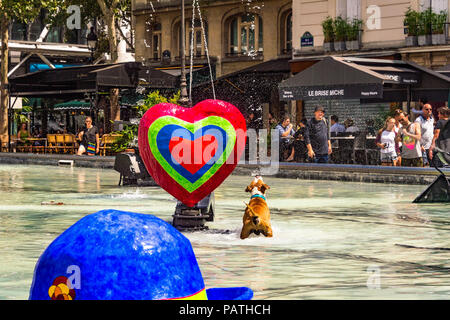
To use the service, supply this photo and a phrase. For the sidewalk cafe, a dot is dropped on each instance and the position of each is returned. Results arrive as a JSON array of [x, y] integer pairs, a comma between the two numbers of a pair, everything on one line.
[[358, 83], [72, 93]]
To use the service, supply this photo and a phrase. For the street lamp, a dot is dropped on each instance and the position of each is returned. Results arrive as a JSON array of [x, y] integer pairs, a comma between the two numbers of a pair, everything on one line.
[[92, 40], [184, 99]]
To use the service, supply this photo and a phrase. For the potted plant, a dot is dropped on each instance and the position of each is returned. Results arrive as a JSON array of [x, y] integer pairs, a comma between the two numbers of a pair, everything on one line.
[[340, 30], [439, 20], [352, 34], [424, 27], [411, 22], [328, 33]]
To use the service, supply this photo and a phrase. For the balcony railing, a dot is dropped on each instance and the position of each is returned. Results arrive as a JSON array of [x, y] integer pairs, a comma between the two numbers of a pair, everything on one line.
[[253, 54]]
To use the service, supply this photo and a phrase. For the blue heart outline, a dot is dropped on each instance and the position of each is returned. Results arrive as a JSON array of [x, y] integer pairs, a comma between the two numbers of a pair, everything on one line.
[[167, 133]]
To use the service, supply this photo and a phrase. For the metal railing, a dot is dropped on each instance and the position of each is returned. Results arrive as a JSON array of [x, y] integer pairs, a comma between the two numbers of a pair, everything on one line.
[[244, 54]]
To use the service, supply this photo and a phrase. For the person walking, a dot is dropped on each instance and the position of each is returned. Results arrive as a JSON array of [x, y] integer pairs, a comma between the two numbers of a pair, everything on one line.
[[426, 122], [317, 138], [90, 141], [386, 142], [410, 135]]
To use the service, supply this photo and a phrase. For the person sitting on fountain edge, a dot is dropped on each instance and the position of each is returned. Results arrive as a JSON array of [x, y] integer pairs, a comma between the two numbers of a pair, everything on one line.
[[317, 137]]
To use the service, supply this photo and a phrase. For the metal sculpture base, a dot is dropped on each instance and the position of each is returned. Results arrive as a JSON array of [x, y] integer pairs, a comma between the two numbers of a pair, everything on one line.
[[194, 219]]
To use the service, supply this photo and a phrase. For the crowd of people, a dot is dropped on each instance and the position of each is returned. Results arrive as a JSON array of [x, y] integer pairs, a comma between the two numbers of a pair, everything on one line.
[[88, 137], [401, 142]]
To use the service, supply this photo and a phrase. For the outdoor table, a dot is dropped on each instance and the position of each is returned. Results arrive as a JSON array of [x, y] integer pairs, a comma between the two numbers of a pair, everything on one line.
[[38, 139]]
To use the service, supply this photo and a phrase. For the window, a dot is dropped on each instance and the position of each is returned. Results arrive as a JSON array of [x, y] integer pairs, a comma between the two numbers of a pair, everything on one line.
[[348, 9], [437, 5], [153, 39], [199, 43], [156, 41], [245, 35], [286, 32]]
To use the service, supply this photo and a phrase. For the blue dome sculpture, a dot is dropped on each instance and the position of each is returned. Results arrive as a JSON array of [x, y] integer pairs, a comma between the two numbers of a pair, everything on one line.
[[116, 255]]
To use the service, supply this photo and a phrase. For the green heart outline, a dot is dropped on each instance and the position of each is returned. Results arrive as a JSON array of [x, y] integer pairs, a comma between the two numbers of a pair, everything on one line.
[[161, 122]]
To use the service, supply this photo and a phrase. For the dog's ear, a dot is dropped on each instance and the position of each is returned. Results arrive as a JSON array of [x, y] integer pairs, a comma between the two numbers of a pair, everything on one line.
[[248, 189], [264, 187]]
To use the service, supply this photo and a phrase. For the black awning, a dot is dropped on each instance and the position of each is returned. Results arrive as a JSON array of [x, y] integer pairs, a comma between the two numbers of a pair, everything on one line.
[[445, 70], [75, 81], [156, 79], [336, 78]]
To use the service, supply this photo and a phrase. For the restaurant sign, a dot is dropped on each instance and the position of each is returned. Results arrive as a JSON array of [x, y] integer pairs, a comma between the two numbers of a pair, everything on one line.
[[332, 93], [402, 78]]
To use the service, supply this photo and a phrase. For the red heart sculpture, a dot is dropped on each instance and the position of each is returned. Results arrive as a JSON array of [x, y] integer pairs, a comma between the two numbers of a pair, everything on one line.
[[189, 152], [177, 147]]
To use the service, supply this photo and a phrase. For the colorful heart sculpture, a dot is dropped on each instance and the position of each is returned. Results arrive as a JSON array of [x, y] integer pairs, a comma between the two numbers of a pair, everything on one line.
[[189, 152]]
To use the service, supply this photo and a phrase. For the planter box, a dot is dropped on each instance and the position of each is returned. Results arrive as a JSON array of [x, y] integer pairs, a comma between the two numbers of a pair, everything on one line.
[[339, 46], [411, 41], [352, 45], [328, 46], [438, 39], [424, 40]]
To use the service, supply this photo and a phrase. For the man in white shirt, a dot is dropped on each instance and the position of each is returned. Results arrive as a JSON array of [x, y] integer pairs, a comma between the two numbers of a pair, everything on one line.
[[426, 122], [336, 127]]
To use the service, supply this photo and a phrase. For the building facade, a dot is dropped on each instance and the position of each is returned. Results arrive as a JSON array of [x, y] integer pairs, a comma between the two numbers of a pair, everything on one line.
[[238, 34], [383, 32]]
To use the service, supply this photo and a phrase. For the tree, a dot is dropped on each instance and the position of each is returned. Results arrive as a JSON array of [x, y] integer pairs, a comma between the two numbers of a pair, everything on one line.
[[24, 11], [111, 12]]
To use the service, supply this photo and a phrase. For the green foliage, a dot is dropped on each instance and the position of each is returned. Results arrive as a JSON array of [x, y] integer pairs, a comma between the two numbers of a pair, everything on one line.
[[25, 11], [352, 29], [128, 137], [425, 22], [328, 29], [411, 21], [340, 29], [154, 98], [439, 20]]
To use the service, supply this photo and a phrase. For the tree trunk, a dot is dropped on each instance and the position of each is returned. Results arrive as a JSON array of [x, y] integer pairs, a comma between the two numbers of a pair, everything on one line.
[[108, 15], [113, 93], [4, 97]]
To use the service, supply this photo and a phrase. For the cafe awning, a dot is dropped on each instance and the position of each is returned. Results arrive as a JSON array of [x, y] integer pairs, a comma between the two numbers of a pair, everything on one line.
[[73, 82], [336, 78], [72, 105]]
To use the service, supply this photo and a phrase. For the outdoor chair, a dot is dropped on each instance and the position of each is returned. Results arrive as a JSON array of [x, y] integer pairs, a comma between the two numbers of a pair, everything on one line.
[[60, 143], [373, 152], [24, 147], [70, 143], [359, 148], [106, 143], [52, 145], [346, 151]]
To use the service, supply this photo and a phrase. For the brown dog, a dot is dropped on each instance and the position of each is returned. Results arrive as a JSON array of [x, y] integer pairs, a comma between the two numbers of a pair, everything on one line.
[[257, 215]]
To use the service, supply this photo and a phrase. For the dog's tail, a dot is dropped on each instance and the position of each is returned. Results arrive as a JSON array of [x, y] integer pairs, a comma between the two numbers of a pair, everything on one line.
[[255, 218]]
